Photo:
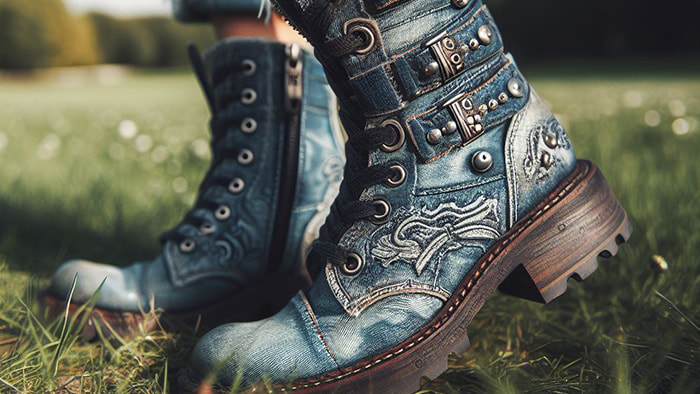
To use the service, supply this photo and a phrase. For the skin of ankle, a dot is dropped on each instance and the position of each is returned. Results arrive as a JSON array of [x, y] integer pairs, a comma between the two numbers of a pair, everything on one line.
[[250, 26]]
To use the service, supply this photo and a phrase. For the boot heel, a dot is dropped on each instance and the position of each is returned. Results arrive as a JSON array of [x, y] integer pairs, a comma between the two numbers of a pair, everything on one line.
[[566, 241]]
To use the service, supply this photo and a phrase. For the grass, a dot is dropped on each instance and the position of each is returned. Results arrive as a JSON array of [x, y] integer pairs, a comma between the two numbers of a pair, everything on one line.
[[98, 167]]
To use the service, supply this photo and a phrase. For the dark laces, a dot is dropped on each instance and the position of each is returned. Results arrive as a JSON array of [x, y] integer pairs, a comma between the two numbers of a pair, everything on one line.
[[220, 123]]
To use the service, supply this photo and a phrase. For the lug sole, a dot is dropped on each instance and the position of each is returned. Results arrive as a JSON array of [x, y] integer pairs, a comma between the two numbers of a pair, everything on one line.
[[255, 303], [559, 239]]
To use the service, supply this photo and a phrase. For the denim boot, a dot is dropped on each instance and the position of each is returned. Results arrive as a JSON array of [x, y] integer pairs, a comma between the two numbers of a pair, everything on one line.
[[459, 181], [240, 252]]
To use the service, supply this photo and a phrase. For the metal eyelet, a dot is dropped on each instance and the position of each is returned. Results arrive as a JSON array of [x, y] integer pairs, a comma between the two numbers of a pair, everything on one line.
[[187, 246], [383, 216], [353, 265], [399, 176], [222, 213], [236, 186], [249, 67], [245, 157], [249, 125], [248, 96], [367, 34], [207, 228], [400, 135]]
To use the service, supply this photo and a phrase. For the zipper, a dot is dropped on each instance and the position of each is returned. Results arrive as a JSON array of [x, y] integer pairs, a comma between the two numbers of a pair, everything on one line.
[[293, 93]]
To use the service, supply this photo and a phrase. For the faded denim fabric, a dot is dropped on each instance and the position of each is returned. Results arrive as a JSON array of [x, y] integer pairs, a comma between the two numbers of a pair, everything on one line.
[[234, 254], [444, 216], [202, 10]]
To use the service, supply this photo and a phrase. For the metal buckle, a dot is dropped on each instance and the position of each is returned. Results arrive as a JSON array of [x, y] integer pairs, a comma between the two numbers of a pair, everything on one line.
[[468, 117], [448, 54]]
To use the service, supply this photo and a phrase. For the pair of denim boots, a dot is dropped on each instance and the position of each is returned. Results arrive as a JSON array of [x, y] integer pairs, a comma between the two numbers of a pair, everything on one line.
[[458, 181]]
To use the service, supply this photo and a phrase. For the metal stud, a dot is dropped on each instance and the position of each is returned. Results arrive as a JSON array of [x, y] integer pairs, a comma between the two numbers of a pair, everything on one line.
[[249, 67], [248, 96], [222, 213], [434, 136], [455, 58], [353, 265], [471, 120], [448, 43], [482, 161], [515, 87], [547, 160], [503, 98], [485, 34], [550, 139], [460, 3], [384, 212], [236, 186], [399, 176], [249, 125], [493, 104], [245, 157], [431, 69], [483, 108], [477, 118], [187, 245], [451, 127], [478, 128], [474, 44]]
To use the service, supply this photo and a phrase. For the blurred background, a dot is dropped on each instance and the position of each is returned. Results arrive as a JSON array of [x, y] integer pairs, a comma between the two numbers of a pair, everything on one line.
[[104, 139]]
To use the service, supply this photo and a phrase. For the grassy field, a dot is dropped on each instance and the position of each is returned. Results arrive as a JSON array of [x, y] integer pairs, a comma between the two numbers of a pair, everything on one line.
[[98, 167]]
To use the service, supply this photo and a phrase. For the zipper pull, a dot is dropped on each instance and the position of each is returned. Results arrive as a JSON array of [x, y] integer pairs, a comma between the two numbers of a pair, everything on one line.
[[294, 88]]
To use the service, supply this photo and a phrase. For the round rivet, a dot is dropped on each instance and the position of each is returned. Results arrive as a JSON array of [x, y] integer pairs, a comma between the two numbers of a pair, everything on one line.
[[365, 33], [399, 176], [503, 98], [550, 139], [384, 211], [482, 161], [547, 160], [451, 127], [353, 265], [478, 128], [460, 3], [448, 43], [248, 96], [515, 87], [236, 186], [431, 69], [187, 246], [477, 118], [249, 67], [493, 104], [485, 34], [434, 136], [483, 108], [249, 125], [222, 212], [474, 44], [207, 228], [455, 58], [245, 157], [471, 120], [400, 136]]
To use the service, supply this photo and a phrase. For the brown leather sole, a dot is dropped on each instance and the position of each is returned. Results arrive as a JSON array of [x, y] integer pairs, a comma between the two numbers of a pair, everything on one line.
[[559, 239], [254, 303]]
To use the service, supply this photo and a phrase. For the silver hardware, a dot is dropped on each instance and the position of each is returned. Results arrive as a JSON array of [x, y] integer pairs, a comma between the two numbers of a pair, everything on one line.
[[292, 78], [400, 135], [547, 160], [353, 27], [236, 186], [434, 136], [482, 161], [445, 50], [353, 265], [503, 98], [187, 246], [399, 178], [249, 125], [460, 3], [431, 69], [456, 58], [381, 217], [493, 104], [222, 213], [248, 96], [550, 139], [484, 33], [515, 87], [450, 127], [483, 108], [249, 67], [448, 43], [245, 157], [466, 116], [207, 228], [474, 44]]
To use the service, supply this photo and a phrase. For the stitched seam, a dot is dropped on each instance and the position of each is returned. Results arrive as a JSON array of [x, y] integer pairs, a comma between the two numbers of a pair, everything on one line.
[[465, 290], [311, 314]]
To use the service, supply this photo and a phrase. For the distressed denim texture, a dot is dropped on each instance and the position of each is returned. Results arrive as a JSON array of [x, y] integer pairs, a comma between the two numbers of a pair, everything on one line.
[[445, 215], [235, 255]]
